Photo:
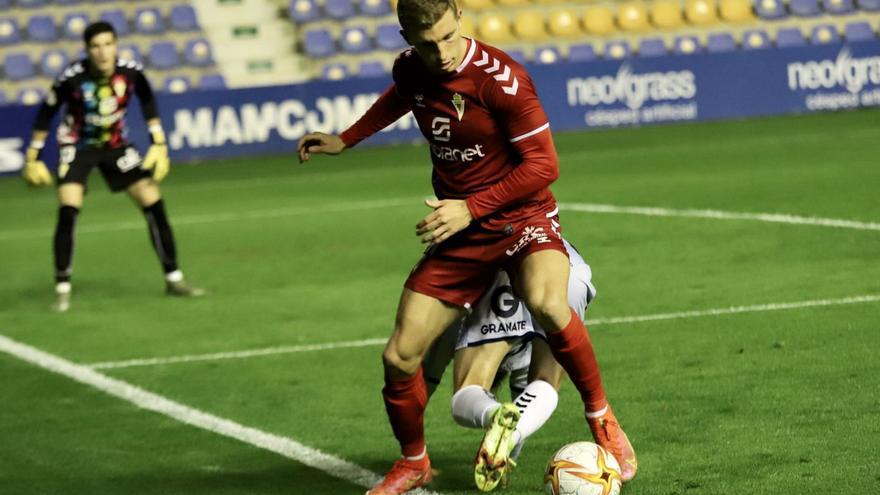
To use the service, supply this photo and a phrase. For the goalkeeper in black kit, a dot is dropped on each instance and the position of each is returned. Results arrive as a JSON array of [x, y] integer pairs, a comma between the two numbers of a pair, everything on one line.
[[96, 92]]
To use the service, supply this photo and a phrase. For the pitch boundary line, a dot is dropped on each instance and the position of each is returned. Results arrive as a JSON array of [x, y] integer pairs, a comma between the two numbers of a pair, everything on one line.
[[271, 351], [284, 446]]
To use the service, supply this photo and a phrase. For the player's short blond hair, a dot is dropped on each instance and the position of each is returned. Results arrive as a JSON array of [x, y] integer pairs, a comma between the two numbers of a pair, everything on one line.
[[418, 15]]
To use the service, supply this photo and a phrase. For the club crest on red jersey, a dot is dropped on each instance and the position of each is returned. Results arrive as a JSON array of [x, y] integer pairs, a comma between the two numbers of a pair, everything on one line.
[[458, 103]]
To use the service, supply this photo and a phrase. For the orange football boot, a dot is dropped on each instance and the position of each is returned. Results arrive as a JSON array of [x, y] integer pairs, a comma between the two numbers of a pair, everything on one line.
[[608, 433], [405, 475]]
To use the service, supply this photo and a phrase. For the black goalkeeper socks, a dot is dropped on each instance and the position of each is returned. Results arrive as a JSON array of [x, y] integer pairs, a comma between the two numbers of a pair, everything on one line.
[[62, 245], [161, 235]]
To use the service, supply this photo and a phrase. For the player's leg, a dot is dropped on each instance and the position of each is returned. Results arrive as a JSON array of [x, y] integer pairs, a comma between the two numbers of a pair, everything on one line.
[[70, 201], [420, 320], [439, 357], [538, 397]]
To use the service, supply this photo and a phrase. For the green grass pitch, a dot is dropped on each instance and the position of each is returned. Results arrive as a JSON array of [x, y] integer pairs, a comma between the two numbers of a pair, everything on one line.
[[772, 402]]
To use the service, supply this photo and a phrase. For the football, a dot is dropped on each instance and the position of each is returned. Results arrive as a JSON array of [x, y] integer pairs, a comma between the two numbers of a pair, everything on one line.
[[582, 468]]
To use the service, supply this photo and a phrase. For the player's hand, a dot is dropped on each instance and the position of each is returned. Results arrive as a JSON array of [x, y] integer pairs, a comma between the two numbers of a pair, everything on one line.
[[157, 160], [318, 142], [35, 172], [449, 217]]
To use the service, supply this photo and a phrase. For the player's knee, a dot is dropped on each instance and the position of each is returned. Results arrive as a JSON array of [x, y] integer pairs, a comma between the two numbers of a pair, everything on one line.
[[399, 365], [550, 309]]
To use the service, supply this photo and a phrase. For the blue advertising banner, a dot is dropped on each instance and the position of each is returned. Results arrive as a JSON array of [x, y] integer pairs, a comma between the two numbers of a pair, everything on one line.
[[601, 94]]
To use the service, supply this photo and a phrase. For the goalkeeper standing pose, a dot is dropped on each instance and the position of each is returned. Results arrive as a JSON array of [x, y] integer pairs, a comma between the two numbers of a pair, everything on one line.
[[92, 133]]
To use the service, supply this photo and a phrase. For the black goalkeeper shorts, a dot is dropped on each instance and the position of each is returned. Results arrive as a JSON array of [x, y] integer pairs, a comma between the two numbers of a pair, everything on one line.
[[120, 167]]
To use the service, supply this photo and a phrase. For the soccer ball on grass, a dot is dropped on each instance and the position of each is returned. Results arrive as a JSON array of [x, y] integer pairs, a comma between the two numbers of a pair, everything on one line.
[[582, 468]]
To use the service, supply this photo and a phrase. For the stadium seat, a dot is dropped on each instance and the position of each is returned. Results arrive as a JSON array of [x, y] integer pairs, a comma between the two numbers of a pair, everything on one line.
[[148, 20], [494, 28], [18, 67], [546, 55], [68, 2], [868, 5], [9, 32], [74, 24], [789, 37], [339, 9], [183, 18], [700, 12], [3, 100], [388, 38], [374, 8], [117, 19], [512, 3], [686, 45], [163, 55], [633, 17], [334, 72], [563, 23], [824, 33], [736, 10], [755, 39], [617, 49], [467, 26], [29, 96], [838, 7], [528, 25], [476, 5], [666, 14], [371, 68], [4, 4], [804, 8], [858, 31], [198, 53], [318, 43], [30, 4], [177, 84], [212, 81], [52, 62], [770, 9], [131, 52], [354, 39], [42, 28], [720, 43], [581, 52], [598, 20], [518, 55], [303, 10], [652, 47]]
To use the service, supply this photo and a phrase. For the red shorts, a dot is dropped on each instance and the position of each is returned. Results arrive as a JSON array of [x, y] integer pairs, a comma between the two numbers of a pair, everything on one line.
[[461, 268]]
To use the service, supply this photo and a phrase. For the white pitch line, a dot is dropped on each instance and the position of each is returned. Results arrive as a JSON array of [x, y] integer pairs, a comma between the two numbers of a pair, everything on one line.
[[287, 447], [270, 351]]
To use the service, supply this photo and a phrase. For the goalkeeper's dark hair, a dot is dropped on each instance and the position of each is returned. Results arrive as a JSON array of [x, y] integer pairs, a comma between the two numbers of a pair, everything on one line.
[[418, 15], [97, 28]]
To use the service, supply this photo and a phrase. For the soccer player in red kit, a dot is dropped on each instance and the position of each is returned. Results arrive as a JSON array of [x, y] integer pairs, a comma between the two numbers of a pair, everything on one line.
[[493, 160]]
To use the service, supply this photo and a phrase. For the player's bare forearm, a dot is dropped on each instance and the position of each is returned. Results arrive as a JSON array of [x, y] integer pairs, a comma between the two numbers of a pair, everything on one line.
[[318, 142], [450, 216]]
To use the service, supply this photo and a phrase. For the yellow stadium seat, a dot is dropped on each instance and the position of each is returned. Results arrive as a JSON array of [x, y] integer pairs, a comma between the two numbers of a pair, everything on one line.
[[632, 16], [529, 26], [700, 12], [563, 23], [476, 5], [736, 10], [667, 14], [599, 20], [494, 28], [467, 25], [512, 3]]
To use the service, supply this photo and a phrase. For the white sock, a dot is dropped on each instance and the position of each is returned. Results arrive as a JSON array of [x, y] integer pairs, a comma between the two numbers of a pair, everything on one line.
[[175, 276], [63, 288], [536, 404], [417, 457], [472, 406]]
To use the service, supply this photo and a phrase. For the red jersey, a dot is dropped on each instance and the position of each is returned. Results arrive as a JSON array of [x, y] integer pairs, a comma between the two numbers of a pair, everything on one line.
[[489, 137]]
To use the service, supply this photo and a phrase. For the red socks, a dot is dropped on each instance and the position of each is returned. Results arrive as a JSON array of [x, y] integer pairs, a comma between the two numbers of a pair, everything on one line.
[[573, 350], [405, 401]]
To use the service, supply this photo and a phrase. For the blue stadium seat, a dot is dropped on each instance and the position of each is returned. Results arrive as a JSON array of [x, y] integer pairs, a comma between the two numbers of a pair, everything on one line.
[[319, 43], [18, 67], [9, 32], [176, 84], [212, 81], [354, 39], [582, 52], [52, 62], [652, 47], [371, 68], [2, 95], [183, 18], [824, 33], [755, 39], [30, 96], [42, 28], [720, 43], [617, 49], [868, 5], [858, 31], [4, 4], [74, 24], [687, 45], [518, 55], [339, 9], [388, 38], [770, 9], [29, 4], [375, 8], [131, 52], [303, 10], [791, 36], [838, 7], [68, 2], [148, 20], [198, 53], [334, 72], [804, 8], [546, 55], [117, 19], [163, 55]]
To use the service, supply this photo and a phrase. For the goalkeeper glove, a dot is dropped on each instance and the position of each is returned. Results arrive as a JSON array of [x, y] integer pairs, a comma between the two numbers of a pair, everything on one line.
[[157, 156], [35, 172]]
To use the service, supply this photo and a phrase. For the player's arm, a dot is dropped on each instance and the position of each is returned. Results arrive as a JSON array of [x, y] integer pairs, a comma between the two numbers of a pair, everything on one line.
[[35, 172], [382, 113], [157, 158]]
